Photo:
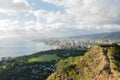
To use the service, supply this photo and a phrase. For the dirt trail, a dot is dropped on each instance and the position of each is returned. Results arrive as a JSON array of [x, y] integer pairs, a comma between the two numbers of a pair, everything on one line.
[[107, 67]]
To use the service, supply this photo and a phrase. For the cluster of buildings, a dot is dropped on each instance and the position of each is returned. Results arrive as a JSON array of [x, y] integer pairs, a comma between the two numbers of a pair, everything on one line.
[[78, 43]]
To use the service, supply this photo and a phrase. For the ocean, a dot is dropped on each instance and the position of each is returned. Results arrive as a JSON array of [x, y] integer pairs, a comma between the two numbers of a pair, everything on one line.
[[18, 47]]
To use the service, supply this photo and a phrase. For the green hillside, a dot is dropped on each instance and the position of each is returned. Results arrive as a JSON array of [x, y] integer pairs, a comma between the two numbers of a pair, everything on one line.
[[37, 66], [100, 63]]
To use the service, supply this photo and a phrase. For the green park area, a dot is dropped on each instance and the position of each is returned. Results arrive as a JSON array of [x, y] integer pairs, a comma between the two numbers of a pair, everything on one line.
[[44, 58]]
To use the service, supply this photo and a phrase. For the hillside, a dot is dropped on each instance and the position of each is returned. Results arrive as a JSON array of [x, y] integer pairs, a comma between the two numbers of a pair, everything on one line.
[[99, 63], [37, 66], [109, 35]]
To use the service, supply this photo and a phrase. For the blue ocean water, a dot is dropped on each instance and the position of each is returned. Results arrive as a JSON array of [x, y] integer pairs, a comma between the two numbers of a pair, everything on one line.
[[16, 47]]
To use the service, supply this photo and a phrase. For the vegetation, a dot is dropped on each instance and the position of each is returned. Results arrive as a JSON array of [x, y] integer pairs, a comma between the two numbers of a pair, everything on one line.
[[114, 55], [44, 58], [37, 66], [100, 63]]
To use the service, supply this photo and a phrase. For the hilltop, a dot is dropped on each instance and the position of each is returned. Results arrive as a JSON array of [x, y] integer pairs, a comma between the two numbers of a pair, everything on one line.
[[99, 63]]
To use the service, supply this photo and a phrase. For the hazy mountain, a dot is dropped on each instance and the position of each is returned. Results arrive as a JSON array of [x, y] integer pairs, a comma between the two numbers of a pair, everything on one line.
[[100, 63], [109, 35]]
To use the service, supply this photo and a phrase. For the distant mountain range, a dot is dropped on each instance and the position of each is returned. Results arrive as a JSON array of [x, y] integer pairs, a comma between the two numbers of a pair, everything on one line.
[[107, 35]]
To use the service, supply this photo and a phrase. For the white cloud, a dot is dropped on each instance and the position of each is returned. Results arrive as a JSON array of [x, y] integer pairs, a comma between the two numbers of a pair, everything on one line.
[[78, 17], [51, 30], [14, 6], [51, 17], [91, 12], [7, 25]]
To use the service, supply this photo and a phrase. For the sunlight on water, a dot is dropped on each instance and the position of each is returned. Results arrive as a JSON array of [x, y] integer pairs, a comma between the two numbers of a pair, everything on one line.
[[16, 47]]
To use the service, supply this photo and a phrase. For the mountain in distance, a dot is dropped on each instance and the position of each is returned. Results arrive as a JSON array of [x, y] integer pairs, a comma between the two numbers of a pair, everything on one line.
[[107, 35], [102, 62]]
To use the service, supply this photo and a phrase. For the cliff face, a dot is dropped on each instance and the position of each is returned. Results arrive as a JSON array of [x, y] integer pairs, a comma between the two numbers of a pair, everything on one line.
[[99, 63]]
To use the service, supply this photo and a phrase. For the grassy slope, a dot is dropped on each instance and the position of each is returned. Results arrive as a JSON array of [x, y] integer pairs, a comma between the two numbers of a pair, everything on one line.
[[114, 56], [94, 65], [22, 67]]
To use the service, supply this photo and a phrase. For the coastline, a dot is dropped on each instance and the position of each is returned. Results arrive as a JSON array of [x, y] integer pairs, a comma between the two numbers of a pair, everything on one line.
[[17, 48]]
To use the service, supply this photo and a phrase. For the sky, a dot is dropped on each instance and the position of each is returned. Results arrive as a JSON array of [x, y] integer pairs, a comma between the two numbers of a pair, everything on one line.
[[57, 18]]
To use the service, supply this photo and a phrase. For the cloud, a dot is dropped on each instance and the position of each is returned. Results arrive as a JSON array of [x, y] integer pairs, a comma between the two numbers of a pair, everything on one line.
[[51, 17], [34, 29], [14, 6], [9, 25], [91, 12], [78, 17], [43, 27]]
